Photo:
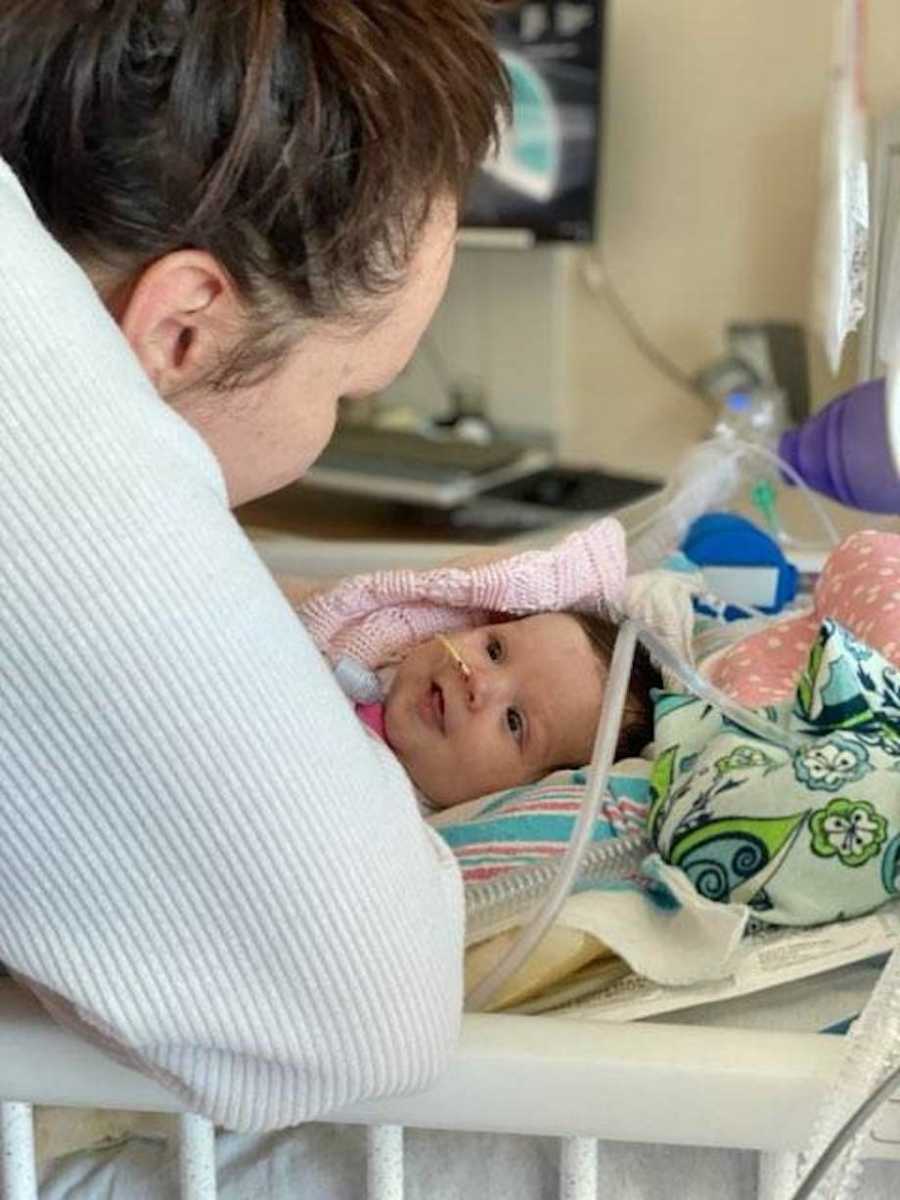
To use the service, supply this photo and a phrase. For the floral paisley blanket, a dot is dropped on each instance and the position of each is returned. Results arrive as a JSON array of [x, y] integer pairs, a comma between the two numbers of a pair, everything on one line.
[[802, 837]]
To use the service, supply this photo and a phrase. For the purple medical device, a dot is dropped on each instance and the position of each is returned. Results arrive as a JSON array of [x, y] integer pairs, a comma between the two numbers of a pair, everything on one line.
[[850, 450]]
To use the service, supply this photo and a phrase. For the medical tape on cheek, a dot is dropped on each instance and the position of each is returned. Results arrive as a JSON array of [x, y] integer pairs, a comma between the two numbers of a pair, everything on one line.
[[460, 663]]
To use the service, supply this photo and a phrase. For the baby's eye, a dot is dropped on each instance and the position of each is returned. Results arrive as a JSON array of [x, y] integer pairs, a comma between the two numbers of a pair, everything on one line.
[[515, 723], [494, 649]]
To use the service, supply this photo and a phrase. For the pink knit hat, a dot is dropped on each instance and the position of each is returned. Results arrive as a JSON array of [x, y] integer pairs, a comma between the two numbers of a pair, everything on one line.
[[377, 618]]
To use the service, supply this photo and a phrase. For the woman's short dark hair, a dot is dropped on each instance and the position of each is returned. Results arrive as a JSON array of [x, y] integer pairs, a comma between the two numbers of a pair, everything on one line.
[[301, 142]]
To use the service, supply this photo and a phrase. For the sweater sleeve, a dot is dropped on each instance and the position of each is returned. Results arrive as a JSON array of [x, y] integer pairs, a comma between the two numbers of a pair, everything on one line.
[[205, 863]]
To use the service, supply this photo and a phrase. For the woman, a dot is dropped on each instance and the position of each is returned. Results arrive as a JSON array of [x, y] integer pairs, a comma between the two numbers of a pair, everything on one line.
[[206, 864]]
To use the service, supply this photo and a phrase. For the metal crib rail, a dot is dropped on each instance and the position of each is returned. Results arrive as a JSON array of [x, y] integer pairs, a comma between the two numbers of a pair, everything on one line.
[[197, 1160], [701, 1085], [672, 1084], [197, 1155], [17, 1138]]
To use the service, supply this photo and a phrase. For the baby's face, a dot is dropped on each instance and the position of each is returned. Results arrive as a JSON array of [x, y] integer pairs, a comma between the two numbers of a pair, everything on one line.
[[530, 703]]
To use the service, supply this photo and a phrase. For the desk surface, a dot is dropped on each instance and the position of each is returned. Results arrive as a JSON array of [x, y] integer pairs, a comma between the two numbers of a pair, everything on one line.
[[311, 512], [315, 512]]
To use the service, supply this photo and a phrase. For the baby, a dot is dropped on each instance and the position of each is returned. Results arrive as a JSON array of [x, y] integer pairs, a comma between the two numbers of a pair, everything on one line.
[[504, 704], [491, 672]]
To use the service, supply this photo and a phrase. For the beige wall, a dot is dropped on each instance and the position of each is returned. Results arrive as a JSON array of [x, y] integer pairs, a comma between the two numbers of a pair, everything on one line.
[[708, 199]]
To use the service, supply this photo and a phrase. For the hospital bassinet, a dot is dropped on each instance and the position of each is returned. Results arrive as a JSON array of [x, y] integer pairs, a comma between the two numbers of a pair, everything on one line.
[[579, 1082]]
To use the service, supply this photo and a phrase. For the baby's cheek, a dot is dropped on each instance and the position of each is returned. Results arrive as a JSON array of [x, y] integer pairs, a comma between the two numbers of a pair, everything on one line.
[[393, 723]]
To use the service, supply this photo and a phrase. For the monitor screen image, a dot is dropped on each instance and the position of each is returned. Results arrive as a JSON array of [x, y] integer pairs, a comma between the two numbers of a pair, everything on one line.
[[544, 177]]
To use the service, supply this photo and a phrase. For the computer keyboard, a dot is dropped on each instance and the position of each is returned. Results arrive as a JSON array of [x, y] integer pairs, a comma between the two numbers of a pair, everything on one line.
[[404, 455], [502, 483], [574, 490]]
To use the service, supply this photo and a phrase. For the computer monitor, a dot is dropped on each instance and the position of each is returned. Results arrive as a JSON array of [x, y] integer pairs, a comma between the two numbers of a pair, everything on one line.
[[544, 179]]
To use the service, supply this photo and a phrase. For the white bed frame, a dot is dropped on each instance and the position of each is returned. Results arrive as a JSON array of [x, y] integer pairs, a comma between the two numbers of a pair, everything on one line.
[[646, 1082]]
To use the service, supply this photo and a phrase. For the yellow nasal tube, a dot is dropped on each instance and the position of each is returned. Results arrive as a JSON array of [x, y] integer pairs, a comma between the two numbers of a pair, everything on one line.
[[458, 660]]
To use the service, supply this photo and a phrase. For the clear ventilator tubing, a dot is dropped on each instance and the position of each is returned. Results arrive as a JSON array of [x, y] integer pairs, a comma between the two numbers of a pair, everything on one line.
[[868, 1075], [708, 475], [787, 469], [601, 760], [694, 682], [520, 888], [498, 904]]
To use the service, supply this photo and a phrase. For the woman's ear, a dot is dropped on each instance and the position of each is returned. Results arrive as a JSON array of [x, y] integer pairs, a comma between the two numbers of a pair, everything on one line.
[[180, 316]]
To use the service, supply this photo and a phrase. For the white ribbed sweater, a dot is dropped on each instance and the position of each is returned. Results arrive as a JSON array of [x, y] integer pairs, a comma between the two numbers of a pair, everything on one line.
[[204, 860]]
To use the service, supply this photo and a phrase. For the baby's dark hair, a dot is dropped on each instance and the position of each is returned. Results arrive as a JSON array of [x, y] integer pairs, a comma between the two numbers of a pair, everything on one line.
[[302, 143], [636, 729]]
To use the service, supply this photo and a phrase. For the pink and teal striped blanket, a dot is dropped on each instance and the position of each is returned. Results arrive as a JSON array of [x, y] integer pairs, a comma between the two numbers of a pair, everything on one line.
[[532, 824]]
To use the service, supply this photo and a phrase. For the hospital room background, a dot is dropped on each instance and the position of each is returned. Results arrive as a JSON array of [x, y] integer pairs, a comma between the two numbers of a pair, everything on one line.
[[708, 200], [707, 205]]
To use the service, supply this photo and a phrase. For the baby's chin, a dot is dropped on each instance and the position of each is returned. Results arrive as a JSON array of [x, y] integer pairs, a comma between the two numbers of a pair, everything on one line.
[[433, 789], [440, 799], [439, 796]]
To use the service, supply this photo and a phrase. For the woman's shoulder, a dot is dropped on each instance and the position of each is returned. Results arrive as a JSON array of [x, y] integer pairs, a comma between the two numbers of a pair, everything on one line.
[[12, 194]]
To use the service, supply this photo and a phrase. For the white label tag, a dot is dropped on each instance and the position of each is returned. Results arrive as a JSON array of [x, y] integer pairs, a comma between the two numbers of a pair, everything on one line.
[[755, 586]]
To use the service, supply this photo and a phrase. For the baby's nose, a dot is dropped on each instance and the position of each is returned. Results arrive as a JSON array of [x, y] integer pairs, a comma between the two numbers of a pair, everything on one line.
[[480, 688]]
